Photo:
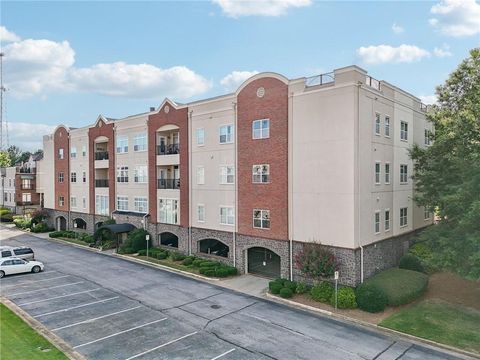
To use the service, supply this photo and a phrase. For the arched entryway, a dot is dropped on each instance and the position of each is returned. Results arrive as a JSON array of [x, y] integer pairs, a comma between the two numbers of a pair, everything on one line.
[[79, 223], [213, 247], [61, 223], [263, 262], [168, 239]]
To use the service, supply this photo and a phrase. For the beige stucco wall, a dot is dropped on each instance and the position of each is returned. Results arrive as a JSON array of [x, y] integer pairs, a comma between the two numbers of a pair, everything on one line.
[[9, 187], [46, 173], [79, 164]]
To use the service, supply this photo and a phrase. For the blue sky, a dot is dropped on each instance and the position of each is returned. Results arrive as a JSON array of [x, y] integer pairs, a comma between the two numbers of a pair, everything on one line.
[[66, 62]]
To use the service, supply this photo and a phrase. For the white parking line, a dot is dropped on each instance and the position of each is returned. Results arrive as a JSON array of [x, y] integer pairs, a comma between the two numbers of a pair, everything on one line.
[[59, 297], [76, 307], [47, 288], [34, 282], [158, 347], [119, 333], [94, 319], [225, 353]]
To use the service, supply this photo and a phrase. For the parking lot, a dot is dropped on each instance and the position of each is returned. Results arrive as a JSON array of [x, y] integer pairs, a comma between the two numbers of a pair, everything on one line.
[[109, 308]]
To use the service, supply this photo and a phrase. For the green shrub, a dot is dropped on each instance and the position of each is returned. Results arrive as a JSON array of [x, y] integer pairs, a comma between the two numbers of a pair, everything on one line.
[[6, 218], [197, 262], [275, 287], [209, 264], [232, 270], [87, 238], [177, 256], [40, 227], [411, 262], [142, 252], [135, 240], [346, 298], [371, 298], [322, 292], [188, 261], [22, 223], [4, 211], [207, 272], [292, 285], [125, 250], [221, 272], [401, 286], [286, 293], [162, 255], [301, 288], [315, 260], [55, 234]]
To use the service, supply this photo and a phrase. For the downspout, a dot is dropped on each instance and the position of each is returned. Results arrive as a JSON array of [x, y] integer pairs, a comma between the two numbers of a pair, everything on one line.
[[357, 155], [236, 186], [189, 183], [290, 164]]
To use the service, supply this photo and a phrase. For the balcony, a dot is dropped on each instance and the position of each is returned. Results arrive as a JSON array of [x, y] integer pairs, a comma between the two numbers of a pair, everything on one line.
[[168, 184], [322, 79], [27, 186], [101, 183], [101, 155], [374, 83], [23, 170], [170, 149]]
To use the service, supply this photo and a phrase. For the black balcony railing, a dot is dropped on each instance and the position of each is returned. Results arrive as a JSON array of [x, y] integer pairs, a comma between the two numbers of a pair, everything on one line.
[[168, 183], [101, 183], [101, 155], [170, 149], [25, 203]]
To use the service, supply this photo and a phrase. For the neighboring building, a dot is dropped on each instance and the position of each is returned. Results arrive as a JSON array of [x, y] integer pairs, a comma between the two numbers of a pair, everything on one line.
[[250, 177], [19, 192]]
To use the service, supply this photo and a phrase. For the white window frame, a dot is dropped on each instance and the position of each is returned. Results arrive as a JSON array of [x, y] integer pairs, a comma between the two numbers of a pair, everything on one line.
[[73, 201], [201, 213], [426, 213], [140, 174], [84, 150], [387, 173], [122, 174], [403, 130], [263, 221], [61, 201], [140, 204], [427, 141], [376, 222], [387, 126], [378, 174], [227, 172], [200, 135], [84, 176], [122, 202], [403, 174], [403, 217], [387, 220], [200, 175], [73, 177], [73, 152], [229, 136], [262, 132], [170, 211], [259, 176], [60, 154], [27, 197], [229, 216], [84, 202], [122, 145], [378, 124], [101, 204], [61, 177], [140, 142]]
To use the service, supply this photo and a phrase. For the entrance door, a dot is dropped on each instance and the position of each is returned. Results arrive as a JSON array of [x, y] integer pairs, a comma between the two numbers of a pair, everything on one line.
[[263, 262], [61, 223]]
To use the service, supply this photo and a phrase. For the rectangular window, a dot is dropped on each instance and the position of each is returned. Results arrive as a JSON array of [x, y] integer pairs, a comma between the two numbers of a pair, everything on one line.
[[101, 204], [261, 129], [387, 126], [403, 174], [200, 175], [60, 177], [84, 150], [387, 173], [84, 202], [377, 173], [122, 144], [122, 174], [403, 217], [122, 203], [261, 219], [168, 211], [73, 177], [227, 174], [140, 142], [73, 152], [60, 153], [428, 135], [200, 137], [201, 213], [226, 134], [84, 176], [26, 184], [141, 204], [61, 201], [403, 131], [387, 220], [227, 216], [26, 197], [140, 174], [377, 222], [426, 213], [73, 201], [261, 174], [377, 124]]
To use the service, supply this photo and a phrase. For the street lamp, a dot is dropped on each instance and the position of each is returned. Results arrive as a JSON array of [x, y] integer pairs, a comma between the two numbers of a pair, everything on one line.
[[147, 237]]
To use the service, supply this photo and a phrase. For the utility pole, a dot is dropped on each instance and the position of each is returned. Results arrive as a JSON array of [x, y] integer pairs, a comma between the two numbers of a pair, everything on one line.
[[2, 89]]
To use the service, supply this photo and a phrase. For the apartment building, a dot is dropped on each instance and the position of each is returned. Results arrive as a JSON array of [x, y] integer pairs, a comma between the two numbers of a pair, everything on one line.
[[249, 177]]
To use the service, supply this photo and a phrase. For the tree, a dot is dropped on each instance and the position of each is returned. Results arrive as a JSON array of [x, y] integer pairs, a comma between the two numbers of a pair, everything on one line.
[[14, 152], [24, 156], [5, 160], [447, 174]]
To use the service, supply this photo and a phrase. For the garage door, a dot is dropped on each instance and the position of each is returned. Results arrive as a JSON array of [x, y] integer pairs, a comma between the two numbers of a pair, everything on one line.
[[263, 262]]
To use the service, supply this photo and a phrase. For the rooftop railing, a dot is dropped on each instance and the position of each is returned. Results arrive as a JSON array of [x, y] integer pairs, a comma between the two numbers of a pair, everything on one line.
[[321, 79], [372, 82], [423, 107]]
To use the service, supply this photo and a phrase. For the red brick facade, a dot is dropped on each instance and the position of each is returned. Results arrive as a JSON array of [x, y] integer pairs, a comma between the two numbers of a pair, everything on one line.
[[178, 117], [107, 130], [272, 196], [19, 190], [61, 141]]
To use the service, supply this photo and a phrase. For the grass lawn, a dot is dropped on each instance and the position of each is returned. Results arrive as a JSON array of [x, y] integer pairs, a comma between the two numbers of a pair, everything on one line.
[[439, 321], [20, 341]]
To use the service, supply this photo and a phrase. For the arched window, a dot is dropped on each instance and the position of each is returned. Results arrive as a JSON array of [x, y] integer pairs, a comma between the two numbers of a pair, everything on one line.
[[214, 247]]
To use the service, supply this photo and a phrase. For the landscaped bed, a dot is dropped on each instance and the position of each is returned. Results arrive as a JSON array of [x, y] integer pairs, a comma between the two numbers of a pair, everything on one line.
[[19, 341]]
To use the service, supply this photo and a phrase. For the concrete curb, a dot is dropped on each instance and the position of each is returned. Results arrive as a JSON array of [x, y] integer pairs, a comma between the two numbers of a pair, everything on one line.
[[56, 341], [412, 338]]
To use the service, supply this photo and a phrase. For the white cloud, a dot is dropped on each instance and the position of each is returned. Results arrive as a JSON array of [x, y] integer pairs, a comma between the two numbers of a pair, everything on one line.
[[383, 54], [238, 8], [397, 29], [456, 17], [139, 80], [27, 136], [7, 36], [443, 51], [428, 99], [233, 80]]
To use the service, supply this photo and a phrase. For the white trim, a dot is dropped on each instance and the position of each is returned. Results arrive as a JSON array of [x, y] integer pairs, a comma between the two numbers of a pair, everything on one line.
[[377, 115], [389, 126], [198, 220], [196, 136], [389, 173], [220, 213], [219, 134], [375, 222], [379, 163], [389, 220]]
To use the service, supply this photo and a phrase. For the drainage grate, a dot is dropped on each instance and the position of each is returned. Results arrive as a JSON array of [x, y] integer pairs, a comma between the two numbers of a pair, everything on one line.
[[215, 306]]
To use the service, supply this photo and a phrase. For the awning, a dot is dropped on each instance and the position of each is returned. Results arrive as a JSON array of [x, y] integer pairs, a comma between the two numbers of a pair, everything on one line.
[[115, 229]]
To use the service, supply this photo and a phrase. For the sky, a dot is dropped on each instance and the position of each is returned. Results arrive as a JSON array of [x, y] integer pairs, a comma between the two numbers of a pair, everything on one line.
[[66, 62]]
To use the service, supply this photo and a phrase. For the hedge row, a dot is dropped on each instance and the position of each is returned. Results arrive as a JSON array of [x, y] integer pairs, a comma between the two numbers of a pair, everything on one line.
[[286, 288]]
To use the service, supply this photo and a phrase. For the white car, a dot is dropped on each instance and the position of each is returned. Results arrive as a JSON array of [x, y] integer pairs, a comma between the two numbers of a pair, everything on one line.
[[14, 265]]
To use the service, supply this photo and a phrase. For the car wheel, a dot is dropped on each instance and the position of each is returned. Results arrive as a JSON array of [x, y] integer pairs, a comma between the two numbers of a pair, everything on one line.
[[2, 274], [36, 269]]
